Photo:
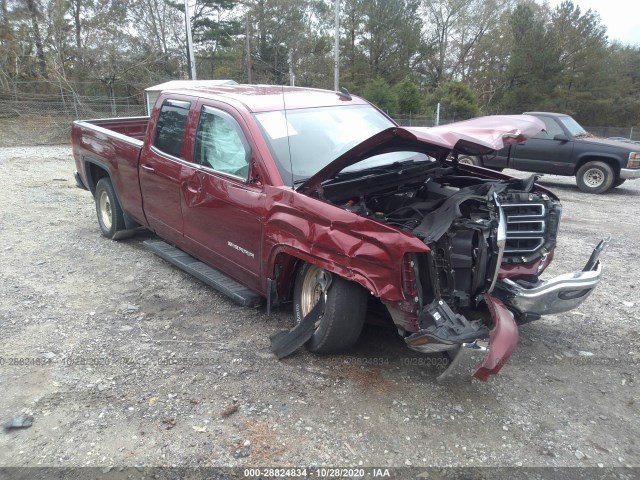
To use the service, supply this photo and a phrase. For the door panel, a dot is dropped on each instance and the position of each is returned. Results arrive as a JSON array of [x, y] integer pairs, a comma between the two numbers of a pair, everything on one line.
[[220, 209], [160, 187], [544, 154], [161, 171], [221, 224]]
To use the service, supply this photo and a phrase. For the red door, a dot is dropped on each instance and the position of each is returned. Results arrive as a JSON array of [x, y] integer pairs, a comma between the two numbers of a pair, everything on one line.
[[221, 209], [161, 172]]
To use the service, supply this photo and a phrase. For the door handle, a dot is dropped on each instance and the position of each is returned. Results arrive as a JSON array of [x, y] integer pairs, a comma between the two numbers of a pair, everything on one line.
[[147, 168], [189, 186]]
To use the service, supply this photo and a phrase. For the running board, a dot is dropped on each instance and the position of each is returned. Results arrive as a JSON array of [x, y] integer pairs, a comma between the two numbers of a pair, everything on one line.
[[203, 272]]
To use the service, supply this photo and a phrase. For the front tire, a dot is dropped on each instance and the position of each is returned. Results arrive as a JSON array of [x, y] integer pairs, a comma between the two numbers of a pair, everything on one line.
[[595, 177], [469, 160], [345, 308], [110, 216]]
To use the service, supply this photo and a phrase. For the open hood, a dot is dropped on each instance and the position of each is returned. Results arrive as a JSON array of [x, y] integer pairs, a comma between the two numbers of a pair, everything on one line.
[[478, 136]]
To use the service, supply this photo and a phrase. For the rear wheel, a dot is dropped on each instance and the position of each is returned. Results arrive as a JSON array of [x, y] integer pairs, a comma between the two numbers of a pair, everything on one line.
[[110, 216], [345, 308], [595, 177]]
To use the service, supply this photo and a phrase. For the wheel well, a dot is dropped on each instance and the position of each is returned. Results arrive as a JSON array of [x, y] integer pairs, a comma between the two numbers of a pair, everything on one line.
[[615, 166], [284, 271], [94, 174]]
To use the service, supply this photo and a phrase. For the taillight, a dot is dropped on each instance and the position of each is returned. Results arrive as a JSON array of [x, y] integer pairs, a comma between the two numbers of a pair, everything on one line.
[[409, 281]]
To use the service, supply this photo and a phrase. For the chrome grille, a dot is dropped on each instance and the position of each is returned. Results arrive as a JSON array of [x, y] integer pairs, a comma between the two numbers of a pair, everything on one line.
[[526, 227]]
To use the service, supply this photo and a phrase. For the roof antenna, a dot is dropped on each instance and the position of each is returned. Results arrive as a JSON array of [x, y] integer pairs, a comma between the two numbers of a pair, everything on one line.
[[286, 123], [344, 94]]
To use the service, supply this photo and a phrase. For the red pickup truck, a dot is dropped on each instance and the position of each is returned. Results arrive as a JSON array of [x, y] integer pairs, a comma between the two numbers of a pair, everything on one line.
[[319, 199]]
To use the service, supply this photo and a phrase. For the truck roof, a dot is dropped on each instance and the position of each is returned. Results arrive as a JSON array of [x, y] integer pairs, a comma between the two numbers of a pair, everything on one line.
[[548, 114], [264, 98]]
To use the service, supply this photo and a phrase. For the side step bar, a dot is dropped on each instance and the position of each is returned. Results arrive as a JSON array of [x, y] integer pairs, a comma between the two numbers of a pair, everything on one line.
[[203, 272]]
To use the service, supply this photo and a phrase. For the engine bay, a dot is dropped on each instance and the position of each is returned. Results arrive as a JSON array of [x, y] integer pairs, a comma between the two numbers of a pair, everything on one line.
[[472, 225]]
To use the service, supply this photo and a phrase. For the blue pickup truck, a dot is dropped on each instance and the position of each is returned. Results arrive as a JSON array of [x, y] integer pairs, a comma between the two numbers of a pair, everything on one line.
[[565, 148]]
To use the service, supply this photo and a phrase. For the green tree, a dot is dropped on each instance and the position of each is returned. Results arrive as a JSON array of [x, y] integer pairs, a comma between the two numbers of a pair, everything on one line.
[[381, 94], [409, 96], [457, 101], [582, 44], [380, 38], [534, 69]]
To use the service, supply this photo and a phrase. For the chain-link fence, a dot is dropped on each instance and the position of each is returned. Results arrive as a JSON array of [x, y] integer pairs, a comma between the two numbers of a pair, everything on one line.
[[44, 119], [628, 133]]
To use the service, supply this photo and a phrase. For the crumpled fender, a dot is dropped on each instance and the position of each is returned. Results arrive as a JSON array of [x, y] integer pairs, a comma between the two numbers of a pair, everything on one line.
[[503, 339], [353, 247]]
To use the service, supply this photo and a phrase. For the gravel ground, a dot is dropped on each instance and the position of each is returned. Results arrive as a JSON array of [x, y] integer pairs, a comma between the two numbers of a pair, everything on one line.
[[124, 360]]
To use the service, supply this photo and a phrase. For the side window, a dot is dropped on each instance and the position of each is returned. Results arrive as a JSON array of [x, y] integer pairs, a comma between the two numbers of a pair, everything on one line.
[[220, 144], [551, 127], [171, 124]]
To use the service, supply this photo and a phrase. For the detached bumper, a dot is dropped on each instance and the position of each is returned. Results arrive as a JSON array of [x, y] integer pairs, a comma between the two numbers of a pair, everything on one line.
[[560, 294], [629, 173], [502, 341]]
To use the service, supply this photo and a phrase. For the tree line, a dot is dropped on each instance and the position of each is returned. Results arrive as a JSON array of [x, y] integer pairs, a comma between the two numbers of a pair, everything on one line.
[[470, 56]]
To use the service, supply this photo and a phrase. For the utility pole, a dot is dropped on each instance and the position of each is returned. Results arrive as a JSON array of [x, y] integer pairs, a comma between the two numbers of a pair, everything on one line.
[[292, 76], [336, 46], [190, 57], [248, 46]]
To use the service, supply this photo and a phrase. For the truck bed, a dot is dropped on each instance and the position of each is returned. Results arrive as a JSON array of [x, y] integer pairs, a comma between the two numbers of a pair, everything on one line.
[[112, 145], [132, 127]]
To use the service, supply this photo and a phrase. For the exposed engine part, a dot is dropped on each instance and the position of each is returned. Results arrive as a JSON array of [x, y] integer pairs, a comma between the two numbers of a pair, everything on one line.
[[442, 329], [472, 226]]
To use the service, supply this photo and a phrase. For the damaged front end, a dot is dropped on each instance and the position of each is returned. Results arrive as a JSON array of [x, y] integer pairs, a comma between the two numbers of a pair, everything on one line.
[[489, 241], [489, 237]]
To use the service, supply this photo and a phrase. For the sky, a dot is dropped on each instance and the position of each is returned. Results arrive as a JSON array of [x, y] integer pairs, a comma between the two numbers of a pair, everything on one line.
[[621, 17]]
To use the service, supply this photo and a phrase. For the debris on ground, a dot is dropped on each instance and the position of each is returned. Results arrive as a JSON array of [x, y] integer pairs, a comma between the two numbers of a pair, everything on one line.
[[20, 421]]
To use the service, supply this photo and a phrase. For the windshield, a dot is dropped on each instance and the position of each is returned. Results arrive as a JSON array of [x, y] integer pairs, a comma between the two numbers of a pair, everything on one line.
[[574, 127], [308, 139]]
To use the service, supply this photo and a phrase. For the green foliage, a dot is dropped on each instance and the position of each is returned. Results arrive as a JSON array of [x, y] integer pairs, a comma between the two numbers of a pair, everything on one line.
[[490, 56], [457, 101], [534, 68], [380, 38], [381, 94], [409, 97]]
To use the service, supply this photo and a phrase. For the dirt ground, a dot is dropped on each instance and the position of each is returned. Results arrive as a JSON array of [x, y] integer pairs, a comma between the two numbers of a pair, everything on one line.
[[123, 360]]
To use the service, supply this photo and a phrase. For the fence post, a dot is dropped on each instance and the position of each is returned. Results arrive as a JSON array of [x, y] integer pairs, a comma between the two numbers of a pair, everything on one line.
[[75, 104]]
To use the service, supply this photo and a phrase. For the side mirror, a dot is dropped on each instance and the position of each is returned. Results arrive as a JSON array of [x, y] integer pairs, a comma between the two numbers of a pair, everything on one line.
[[561, 137]]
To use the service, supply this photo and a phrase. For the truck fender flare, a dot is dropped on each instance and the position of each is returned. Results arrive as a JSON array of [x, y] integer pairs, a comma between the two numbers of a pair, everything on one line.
[[129, 222]]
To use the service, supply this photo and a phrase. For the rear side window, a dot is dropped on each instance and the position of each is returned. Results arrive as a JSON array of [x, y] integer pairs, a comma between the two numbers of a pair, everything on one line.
[[220, 144], [171, 124]]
